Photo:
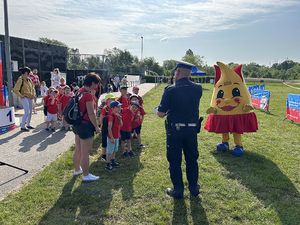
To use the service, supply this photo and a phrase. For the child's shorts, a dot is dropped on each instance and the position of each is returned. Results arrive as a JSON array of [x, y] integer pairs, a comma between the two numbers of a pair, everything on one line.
[[112, 147], [125, 135], [51, 117], [137, 130]]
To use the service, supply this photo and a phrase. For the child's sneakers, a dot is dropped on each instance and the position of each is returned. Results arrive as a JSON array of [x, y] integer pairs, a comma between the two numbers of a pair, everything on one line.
[[103, 158], [47, 129], [109, 167], [115, 164], [53, 129], [142, 146], [125, 154], [131, 153], [89, 178]]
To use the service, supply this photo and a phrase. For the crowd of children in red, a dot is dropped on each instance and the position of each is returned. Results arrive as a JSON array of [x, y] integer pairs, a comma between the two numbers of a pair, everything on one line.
[[54, 104], [121, 121]]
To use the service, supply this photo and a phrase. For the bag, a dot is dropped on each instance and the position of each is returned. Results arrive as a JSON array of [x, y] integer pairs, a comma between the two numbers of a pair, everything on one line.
[[72, 114]]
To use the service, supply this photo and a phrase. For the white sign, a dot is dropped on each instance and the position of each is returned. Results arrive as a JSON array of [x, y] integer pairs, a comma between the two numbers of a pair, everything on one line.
[[7, 116]]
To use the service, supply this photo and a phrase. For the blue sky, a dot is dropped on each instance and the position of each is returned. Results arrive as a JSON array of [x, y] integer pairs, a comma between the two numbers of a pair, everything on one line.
[[242, 31]]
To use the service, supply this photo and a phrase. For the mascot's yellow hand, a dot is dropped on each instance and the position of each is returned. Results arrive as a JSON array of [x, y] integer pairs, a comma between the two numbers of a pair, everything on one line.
[[247, 108], [211, 110]]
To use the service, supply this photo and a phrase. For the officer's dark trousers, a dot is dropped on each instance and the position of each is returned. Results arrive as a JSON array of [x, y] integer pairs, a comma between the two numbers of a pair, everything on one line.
[[177, 140]]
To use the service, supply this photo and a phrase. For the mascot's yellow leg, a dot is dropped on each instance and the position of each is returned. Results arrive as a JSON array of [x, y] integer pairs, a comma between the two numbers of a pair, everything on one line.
[[225, 137], [237, 139]]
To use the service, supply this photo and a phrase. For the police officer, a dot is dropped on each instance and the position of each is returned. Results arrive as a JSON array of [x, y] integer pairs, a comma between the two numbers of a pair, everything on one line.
[[180, 103]]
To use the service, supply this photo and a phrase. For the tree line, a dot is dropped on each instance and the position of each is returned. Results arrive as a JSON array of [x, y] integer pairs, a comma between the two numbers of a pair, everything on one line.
[[120, 62]]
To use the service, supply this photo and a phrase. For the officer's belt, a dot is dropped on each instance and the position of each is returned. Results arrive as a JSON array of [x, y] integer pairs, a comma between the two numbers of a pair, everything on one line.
[[183, 124]]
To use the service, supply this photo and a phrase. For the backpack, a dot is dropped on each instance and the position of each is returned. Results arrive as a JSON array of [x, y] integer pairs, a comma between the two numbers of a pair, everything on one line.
[[72, 114]]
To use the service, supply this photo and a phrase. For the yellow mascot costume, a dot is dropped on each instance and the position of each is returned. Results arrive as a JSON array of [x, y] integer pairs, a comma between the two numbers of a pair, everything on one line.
[[230, 108]]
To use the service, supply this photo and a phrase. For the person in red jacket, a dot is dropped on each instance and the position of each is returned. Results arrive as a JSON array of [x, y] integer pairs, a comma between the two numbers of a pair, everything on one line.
[[52, 110]]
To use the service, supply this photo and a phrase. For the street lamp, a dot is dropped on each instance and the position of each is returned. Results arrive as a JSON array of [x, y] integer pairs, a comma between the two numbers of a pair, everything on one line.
[[142, 47], [7, 55]]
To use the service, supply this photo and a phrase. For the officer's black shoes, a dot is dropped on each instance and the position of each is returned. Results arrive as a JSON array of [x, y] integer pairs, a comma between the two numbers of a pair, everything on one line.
[[195, 191], [174, 194]]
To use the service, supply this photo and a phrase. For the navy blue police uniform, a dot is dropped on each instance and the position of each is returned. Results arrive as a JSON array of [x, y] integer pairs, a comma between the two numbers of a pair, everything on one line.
[[180, 102]]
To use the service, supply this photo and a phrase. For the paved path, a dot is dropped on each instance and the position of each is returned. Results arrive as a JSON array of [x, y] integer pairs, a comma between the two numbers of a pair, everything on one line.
[[34, 150]]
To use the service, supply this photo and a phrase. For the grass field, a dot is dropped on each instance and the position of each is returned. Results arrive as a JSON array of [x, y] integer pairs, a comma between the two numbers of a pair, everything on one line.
[[262, 187]]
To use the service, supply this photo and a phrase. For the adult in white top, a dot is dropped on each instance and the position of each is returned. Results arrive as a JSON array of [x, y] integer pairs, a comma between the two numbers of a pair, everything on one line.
[[55, 78]]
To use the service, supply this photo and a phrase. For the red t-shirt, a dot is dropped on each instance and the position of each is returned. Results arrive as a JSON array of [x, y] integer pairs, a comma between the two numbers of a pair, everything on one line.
[[137, 120], [83, 99], [105, 111], [116, 126], [46, 99], [127, 117], [53, 109], [64, 100], [124, 101]]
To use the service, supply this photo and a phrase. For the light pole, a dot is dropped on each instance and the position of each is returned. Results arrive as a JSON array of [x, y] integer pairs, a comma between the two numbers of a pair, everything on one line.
[[8, 56], [142, 47]]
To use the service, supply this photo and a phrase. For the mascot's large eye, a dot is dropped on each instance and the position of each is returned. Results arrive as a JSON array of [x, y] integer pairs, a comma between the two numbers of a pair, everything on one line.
[[220, 94], [236, 92]]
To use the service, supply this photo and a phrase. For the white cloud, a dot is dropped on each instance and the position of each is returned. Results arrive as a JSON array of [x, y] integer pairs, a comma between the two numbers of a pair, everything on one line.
[[94, 25]]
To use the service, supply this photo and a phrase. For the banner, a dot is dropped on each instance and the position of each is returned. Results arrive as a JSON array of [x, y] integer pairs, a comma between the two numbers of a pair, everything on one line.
[[253, 89], [261, 99], [293, 108], [1, 78], [7, 119]]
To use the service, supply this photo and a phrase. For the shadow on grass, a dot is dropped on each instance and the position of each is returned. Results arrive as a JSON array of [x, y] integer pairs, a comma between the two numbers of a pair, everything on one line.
[[197, 212], [89, 203], [267, 182]]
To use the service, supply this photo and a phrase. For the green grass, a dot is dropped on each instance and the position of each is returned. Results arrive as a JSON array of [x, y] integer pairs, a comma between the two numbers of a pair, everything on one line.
[[262, 187]]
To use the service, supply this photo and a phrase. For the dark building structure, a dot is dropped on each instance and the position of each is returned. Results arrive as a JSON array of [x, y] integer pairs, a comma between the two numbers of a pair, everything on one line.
[[35, 54]]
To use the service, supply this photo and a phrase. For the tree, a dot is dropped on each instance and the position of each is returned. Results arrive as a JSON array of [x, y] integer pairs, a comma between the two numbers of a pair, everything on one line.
[[197, 60], [52, 41], [119, 61], [152, 67], [168, 67]]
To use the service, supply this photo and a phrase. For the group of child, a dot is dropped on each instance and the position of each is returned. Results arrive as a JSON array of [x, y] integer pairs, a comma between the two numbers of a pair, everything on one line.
[[121, 121], [55, 100]]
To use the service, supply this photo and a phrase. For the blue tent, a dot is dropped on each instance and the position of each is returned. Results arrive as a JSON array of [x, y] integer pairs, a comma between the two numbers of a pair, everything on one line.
[[196, 71]]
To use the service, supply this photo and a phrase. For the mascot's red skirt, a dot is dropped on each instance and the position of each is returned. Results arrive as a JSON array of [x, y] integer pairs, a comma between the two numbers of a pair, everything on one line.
[[231, 123]]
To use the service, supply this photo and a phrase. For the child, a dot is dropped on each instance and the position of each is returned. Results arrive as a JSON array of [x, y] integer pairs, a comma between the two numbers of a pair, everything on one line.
[[105, 112], [135, 91], [137, 120], [52, 110], [45, 99], [64, 100], [114, 125], [126, 129], [62, 82], [43, 89], [124, 98]]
